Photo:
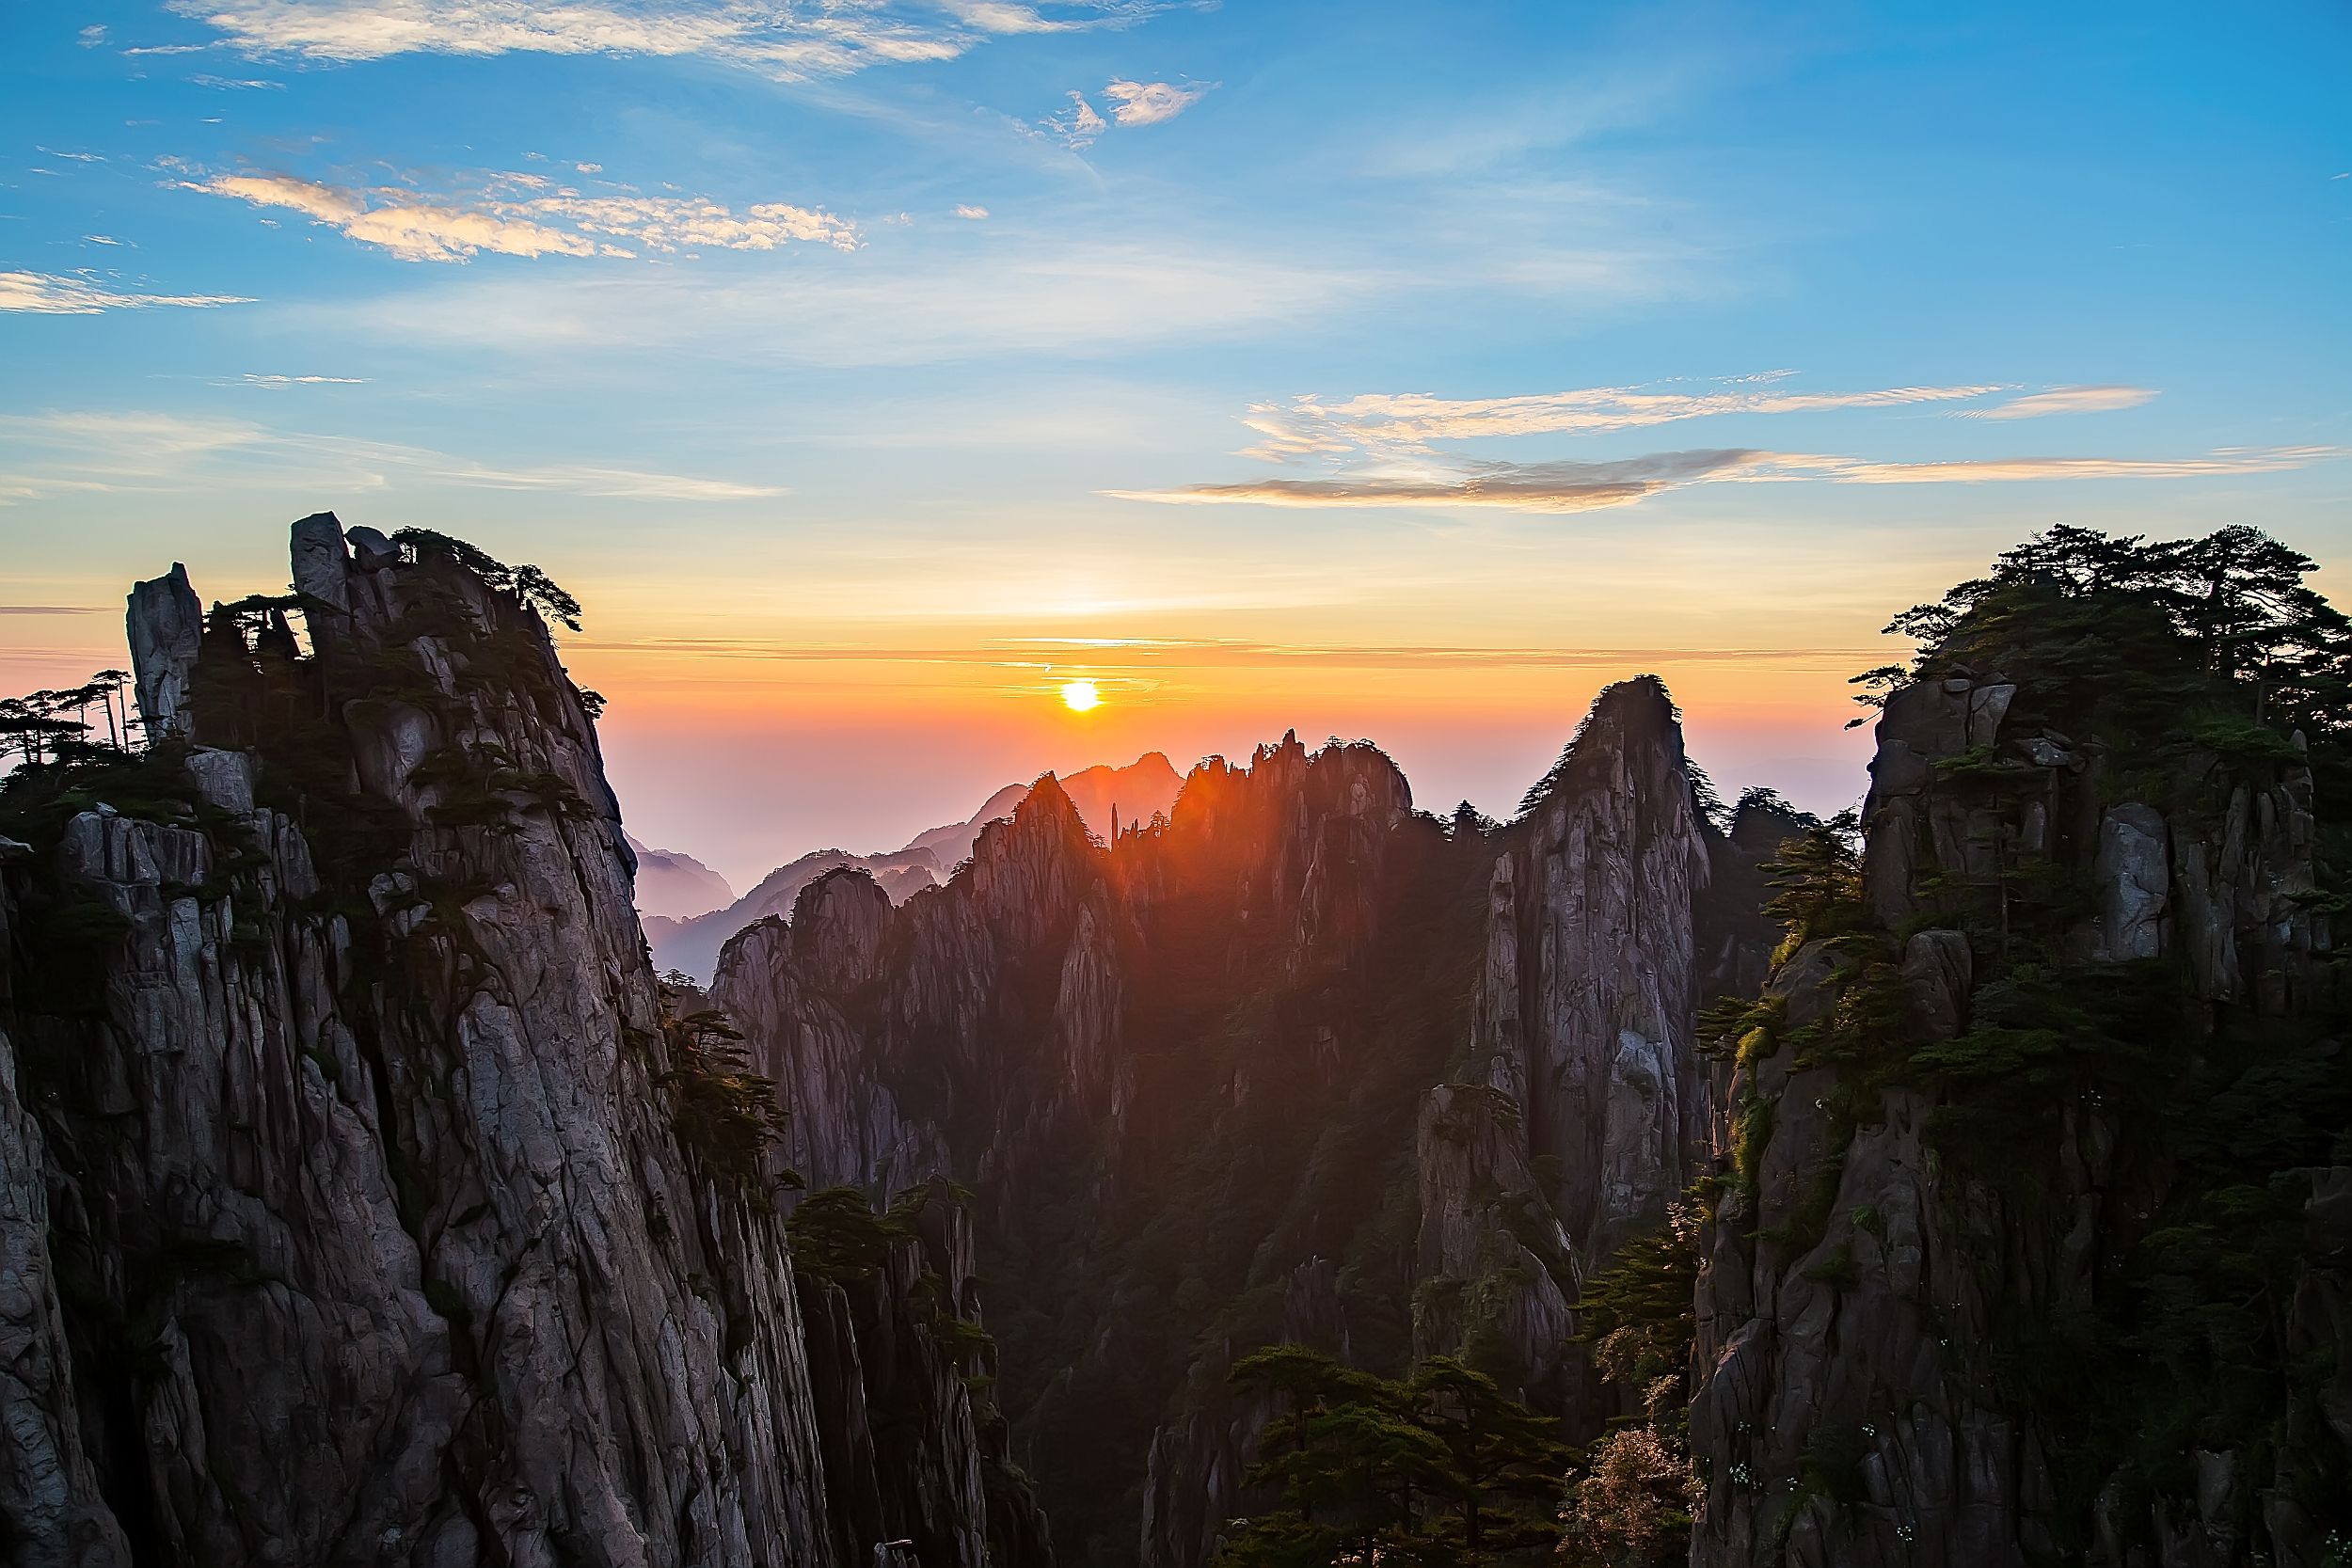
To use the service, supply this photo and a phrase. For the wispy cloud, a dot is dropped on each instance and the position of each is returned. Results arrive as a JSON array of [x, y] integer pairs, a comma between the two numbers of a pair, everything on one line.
[[971, 212], [787, 42], [1134, 654], [1516, 486], [1150, 102], [1590, 486], [279, 382], [1133, 103], [49, 610], [1074, 295], [1081, 126], [140, 451], [585, 479], [2229, 460], [509, 217], [1312, 426], [45, 295], [227, 84], [2063, 399]]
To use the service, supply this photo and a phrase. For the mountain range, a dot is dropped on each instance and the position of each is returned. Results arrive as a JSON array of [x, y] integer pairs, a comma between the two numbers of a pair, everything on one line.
[[689, 944], [1964, 1181]]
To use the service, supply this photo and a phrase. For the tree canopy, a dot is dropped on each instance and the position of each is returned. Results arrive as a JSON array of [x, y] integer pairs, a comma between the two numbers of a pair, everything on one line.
[[1443, 1468], [2163, 620]]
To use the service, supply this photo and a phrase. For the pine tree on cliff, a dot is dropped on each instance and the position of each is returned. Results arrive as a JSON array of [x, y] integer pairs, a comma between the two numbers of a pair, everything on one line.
[[1441, 1470]]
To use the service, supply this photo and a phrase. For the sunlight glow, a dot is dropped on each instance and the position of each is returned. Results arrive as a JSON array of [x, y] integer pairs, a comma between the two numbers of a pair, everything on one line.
[[1080, 695]]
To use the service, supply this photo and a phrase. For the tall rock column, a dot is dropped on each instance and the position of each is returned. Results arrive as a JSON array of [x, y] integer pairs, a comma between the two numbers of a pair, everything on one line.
[[163, 627]]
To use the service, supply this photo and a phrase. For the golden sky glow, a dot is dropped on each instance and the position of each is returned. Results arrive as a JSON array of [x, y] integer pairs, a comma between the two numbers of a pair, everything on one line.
[[874, 373]]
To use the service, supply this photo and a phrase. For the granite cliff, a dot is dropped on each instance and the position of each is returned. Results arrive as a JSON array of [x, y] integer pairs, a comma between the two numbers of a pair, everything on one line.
[[366, 1197], [2031, 1237]]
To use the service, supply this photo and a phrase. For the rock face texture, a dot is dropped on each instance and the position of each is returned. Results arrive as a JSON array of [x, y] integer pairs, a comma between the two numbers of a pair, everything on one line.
[[1188, 1076], [165, 627], [354, 1207], [1584, 1110], [1933, 1283]]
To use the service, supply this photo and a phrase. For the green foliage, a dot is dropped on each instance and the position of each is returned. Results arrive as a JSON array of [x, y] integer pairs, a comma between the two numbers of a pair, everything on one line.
[[2179, 668], [35, 728], [723, 1112], [1637, 1313], [1442, 1469], [1631, 1503], [530, 585], [2151, 632], [836, 1235], [1631, 1506], [1819, 881]]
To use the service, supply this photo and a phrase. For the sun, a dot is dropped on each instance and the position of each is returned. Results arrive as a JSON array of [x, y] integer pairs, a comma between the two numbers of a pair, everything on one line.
[[1078, 696]]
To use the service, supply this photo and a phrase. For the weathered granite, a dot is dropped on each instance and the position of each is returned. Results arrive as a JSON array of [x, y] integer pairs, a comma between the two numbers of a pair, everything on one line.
[[386, 1250]]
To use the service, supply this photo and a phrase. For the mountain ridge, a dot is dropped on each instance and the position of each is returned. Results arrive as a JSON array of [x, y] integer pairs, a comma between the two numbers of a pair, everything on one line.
[[691, 944]]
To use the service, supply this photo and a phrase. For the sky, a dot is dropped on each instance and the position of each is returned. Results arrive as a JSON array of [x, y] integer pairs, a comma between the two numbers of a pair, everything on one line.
[[871, 371]]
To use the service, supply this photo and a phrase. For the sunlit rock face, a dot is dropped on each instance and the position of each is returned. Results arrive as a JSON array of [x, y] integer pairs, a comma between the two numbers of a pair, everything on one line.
[[1612, 869], [1189, 1075], [346, 1212], [1582, 1109], [1864, 1301]]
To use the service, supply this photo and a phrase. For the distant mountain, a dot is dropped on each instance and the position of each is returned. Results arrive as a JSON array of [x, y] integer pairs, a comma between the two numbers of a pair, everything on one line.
[[1136, 792], [673, 883]]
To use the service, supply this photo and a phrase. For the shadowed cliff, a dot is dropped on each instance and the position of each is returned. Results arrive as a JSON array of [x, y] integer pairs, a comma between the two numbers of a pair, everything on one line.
[[366, 1197]]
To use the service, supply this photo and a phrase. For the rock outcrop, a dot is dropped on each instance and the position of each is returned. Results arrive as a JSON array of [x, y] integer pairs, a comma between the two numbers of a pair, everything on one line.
[[361, 1204], [1584, 1110], [1959, 1130], [164, 628]]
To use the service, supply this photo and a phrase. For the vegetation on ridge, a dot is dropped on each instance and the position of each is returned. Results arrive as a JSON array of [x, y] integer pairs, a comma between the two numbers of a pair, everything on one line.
[[2190, 676]]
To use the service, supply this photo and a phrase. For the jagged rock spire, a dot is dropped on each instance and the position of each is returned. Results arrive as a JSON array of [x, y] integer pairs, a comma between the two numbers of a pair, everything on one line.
[[165, 626]]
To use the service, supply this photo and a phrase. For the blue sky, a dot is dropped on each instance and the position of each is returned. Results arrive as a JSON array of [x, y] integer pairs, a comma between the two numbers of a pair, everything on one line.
[[1377, 369]]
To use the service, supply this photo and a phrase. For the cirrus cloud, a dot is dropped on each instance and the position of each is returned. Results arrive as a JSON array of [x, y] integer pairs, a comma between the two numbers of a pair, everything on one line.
[[2063, 399], [1584, 486], [45, 295], [1411, 421], [509, 218], [787, 42], [166, 453]]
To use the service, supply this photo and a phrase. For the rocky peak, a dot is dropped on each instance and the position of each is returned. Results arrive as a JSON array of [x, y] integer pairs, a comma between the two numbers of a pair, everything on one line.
[[165, 627], [1029, 870], [1580, 1110], [1613, 857], [838, 925]]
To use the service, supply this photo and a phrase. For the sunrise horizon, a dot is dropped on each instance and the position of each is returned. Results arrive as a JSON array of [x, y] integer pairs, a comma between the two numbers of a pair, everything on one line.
[[1698, 665]]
